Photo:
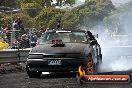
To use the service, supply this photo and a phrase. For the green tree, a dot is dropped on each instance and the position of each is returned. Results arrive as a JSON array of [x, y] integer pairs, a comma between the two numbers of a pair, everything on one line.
[[0, 20], [94, 11], [32, 9], [70, 20], [4, 19], [9, 3], [89, 14], [26, 19], [49, 3], [120, 17], [48, 17]]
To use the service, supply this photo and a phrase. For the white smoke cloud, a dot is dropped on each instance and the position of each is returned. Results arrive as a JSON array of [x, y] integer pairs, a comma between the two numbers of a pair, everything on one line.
[[115, 2], [119, 62], [114, 63], [120, 2]]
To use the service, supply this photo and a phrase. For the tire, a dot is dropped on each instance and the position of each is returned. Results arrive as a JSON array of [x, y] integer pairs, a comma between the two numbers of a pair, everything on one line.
[[33, 74], [90, 67]]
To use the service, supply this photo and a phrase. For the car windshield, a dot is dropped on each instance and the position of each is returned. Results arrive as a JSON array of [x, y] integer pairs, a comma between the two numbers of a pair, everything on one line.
[[66, 37]]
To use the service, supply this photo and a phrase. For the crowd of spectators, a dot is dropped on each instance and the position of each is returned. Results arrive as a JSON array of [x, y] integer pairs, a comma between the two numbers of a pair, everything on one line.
[[23, 38]]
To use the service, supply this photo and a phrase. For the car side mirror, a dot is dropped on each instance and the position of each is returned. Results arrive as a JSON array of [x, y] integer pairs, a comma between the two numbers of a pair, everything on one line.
[[93, 42], [96, 36]]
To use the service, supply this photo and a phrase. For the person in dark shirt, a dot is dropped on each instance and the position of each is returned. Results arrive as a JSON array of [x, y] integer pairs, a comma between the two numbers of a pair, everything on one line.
[[20, 25], [33, 39], [6, 30], [16, 27], [58, 25]]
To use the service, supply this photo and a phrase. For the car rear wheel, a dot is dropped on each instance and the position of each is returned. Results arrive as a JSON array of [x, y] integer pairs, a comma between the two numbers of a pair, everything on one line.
[[90, 67], [33, 74]]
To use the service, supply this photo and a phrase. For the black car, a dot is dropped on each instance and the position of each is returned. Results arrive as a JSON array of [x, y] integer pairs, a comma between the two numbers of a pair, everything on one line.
[[64, 51]]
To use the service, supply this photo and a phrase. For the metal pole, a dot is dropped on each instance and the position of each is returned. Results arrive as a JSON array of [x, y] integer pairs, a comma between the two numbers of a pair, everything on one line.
[[12, 31], [30, 37]]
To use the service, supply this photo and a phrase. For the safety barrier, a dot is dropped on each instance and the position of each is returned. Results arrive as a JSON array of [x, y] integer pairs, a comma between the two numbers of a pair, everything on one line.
[[13, 55]]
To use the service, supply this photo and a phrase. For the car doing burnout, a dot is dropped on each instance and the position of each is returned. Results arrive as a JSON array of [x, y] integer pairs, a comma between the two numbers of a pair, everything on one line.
[[64, 51]]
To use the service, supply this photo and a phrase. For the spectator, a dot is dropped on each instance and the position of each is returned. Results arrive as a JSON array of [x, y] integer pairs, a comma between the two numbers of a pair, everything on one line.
[[2, 27], [58, 25], [16, 44], [33, 39], [24, 42], [20, 25], [6, 30], [16, 27]]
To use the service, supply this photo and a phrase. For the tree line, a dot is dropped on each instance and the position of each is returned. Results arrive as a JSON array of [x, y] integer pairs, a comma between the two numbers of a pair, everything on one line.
[[44, 14]]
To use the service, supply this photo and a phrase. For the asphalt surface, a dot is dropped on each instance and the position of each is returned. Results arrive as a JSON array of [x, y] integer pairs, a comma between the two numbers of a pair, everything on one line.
[[58, 80]]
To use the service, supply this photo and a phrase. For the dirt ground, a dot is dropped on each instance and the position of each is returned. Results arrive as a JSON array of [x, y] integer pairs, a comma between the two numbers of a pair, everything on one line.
[[59, 80]]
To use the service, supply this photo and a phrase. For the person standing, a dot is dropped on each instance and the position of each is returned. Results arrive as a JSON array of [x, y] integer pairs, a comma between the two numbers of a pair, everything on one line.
[[7, 31], [15, 25], [20, 25], [16, 29], [58, 25]]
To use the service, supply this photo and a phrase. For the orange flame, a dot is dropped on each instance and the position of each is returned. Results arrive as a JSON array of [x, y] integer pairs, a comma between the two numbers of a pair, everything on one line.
[[81, 71]]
